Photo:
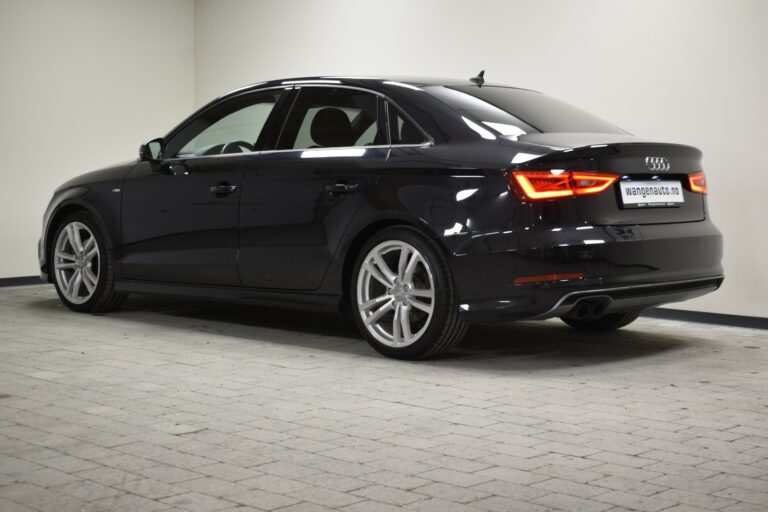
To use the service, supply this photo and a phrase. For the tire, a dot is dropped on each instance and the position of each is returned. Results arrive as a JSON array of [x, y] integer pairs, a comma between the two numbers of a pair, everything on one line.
[[411, 312], [609, 322], [93, 261]]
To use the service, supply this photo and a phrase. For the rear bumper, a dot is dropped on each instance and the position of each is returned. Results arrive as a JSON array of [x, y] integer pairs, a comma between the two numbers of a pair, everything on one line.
[[626, 298], [612, 299], [623, 267]]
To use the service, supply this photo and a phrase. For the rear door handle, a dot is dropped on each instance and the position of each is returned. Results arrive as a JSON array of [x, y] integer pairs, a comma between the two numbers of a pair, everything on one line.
[[341, 188], [223, 189]]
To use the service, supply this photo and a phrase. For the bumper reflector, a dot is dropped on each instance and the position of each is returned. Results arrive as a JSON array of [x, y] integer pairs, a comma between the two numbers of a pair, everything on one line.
[[567, 276]]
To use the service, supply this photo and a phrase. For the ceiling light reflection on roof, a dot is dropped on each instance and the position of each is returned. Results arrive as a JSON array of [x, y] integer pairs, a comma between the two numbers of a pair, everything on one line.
[[479, 129], [508, 130], [523, 157], [298, 82], [401, 84]]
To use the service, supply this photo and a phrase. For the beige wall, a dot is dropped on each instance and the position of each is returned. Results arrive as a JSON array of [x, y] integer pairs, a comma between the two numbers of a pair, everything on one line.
[[82, 84], [688, 71]]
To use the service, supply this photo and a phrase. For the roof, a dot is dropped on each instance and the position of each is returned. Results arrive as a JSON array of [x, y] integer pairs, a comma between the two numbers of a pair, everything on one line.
[[374, 81]]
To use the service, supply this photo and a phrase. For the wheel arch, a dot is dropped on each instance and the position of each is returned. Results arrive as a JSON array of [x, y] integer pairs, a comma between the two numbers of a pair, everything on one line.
[[358, 241], [62, 211]]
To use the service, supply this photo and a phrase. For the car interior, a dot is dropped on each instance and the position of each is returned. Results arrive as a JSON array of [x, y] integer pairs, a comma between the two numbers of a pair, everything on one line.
[[320, 117]]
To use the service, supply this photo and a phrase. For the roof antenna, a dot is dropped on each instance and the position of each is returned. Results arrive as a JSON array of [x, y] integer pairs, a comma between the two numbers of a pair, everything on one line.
[[479, 80]]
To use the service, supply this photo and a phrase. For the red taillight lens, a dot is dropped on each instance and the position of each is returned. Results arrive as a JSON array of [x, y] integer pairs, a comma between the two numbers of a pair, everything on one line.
[[698, 182], [544, 184], [539, 185], [591, 182]]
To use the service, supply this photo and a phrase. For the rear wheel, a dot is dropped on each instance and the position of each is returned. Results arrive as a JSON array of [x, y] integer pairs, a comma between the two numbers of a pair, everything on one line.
[[608, 322], [403, 296], [83, 266]]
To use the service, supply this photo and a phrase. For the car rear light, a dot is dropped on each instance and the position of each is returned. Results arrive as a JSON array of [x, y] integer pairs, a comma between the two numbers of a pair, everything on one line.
[[698, 182], [553, 184], [567, 276]]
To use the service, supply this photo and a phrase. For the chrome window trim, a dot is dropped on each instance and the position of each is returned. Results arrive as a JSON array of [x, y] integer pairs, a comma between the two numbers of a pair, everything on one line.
[[243, 91], [237, 93], [399, 110], [270, 151], [243, 88]]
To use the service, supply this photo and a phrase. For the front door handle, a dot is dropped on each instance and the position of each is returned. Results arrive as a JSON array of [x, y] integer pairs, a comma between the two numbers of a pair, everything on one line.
[[223, 189], [341, 187]]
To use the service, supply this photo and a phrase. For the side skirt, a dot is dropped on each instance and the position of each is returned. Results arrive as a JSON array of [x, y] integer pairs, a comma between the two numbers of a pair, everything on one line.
[[280, 299]]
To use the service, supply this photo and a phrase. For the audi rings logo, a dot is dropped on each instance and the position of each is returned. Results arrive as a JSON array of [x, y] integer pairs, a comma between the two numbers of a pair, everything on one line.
[[657, 163]]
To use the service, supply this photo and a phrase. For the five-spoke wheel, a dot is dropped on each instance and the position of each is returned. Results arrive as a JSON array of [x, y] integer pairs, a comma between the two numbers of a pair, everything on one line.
[[82, 266], [395, 293], [403, 296], [76, 262]]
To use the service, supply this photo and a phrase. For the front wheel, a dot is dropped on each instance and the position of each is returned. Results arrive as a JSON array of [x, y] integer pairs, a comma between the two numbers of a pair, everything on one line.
[[82, 265], [404, 300]]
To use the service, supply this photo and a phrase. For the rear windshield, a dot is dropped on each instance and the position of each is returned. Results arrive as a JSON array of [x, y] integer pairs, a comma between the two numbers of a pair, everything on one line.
[[525, 111]]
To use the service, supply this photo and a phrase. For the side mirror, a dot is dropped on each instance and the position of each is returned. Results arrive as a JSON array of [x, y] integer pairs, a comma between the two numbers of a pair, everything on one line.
[[152, 151]]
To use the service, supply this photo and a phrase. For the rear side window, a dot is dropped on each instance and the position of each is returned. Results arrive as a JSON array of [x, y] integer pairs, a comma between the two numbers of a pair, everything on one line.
[[327, 117], [403, 131], [526, 111]]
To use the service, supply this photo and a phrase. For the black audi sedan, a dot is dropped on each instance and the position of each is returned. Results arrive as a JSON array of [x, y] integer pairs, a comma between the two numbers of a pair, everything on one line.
[[416, 206]]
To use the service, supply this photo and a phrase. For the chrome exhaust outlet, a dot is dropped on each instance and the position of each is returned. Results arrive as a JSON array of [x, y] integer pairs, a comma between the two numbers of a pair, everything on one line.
[[589, 308]]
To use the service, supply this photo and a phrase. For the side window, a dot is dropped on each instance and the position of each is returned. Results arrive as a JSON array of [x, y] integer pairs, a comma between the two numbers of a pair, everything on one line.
[[328, 117], [234, 127], [403, 131]]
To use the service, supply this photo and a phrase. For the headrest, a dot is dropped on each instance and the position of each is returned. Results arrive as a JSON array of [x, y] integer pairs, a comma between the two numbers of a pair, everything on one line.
[[331, 128]]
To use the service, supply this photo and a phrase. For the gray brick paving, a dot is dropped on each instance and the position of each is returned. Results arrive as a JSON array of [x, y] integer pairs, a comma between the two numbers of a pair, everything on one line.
[[188, 406]]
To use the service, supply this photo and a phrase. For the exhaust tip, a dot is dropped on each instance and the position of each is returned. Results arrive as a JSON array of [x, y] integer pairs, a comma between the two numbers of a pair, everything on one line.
[[589, 308], [598, 308], [584, 310]]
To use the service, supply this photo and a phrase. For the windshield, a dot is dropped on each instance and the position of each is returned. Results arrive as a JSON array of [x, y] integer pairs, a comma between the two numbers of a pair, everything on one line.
[[511, 112]]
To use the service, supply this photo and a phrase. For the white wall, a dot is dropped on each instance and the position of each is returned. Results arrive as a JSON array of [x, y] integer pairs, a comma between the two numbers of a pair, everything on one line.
[[82, 84], [688, 71]]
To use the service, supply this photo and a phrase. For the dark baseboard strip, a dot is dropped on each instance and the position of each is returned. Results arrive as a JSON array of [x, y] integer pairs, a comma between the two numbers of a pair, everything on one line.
[[751, 322], [19, 281]]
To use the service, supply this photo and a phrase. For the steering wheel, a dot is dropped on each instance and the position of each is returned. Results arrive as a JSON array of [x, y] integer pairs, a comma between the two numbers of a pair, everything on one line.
[[239, 146]]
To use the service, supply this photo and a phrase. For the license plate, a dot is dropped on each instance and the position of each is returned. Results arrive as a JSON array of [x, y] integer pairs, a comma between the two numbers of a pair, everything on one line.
[[642, 194]]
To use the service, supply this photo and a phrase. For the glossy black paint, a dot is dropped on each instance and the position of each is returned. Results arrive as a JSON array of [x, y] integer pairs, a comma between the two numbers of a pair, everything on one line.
[[288, 232], [293, 216], [175, 229]]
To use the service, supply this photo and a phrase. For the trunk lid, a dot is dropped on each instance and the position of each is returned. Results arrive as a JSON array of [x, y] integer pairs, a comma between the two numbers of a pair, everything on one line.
[[642, 165]]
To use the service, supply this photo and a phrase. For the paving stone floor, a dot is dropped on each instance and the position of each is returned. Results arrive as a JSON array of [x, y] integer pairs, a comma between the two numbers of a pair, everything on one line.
[[186, 405]]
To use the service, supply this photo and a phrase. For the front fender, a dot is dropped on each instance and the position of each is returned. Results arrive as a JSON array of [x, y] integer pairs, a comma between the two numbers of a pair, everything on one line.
[[99, 193]]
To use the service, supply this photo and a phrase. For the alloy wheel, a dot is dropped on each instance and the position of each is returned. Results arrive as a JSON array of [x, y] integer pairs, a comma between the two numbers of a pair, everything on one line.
[[395, 293], [76, 262]]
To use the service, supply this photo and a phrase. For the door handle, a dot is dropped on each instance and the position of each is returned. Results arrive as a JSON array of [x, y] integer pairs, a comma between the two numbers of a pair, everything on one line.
[[341, 188], [223, 189]]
